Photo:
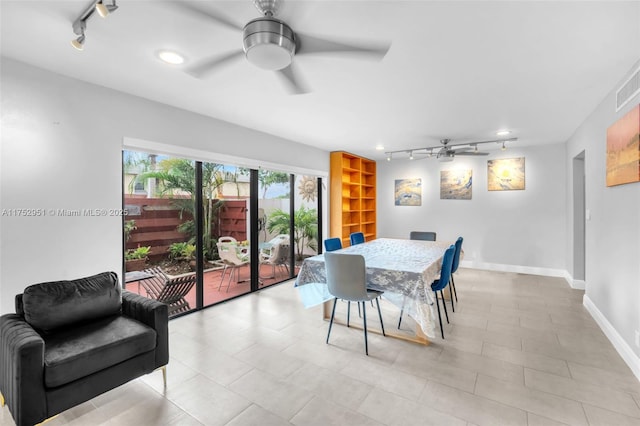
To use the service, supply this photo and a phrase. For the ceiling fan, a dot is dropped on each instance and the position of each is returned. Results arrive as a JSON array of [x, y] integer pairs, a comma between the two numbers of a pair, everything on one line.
[[271, 44], [447, 151]]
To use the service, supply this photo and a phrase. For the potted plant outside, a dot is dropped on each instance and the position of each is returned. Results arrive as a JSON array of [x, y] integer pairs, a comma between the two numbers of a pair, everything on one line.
[[136, 259]]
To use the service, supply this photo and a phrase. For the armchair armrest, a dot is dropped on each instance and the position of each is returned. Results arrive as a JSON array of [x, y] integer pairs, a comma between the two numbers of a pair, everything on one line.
[[22, 369], [154, 314]]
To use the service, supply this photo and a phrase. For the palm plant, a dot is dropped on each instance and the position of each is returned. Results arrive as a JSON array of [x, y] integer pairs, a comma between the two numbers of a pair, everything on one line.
[[176, 176], [305, 227]]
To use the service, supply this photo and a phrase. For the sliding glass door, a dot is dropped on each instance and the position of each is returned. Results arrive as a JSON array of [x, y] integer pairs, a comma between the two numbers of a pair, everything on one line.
[[204, 232]]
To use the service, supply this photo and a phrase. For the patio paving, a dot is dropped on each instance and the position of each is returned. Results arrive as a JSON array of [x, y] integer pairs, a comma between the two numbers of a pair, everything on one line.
[[215, 291]]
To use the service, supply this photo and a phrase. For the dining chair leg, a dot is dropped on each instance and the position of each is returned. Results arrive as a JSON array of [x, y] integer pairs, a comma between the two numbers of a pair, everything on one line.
[[451, 296], [444, 305], [439, 315], [364, 322], [333, 312], [359, 311], [380, 315], [404, 300], [453, 284], [348, 312]]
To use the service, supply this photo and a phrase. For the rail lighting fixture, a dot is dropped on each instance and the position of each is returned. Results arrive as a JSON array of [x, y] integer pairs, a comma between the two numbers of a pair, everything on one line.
[[80, 25], [447, 151]]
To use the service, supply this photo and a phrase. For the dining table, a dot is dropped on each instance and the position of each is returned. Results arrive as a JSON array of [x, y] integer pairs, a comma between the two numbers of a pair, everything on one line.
[[403, 269]]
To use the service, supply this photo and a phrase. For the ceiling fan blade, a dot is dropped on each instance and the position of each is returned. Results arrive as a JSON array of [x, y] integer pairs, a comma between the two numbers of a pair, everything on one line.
[[207, 66], [467, 148], [217, 17], [471, 153], [294, 84], [307, 44]]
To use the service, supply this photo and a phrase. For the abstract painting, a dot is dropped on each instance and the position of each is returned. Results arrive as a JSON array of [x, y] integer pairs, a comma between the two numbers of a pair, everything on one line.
[[506, 174], [408, 192], [455, 184], [623, 149]]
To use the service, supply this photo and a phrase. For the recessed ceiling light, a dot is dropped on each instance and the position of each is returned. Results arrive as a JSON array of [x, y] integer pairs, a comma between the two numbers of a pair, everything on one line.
[[379, 147], [503, 132], [170, 57]]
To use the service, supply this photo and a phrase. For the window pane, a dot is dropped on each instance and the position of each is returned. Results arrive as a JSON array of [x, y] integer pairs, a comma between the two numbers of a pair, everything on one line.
[[274, 226], [159, 229], [227, 270]]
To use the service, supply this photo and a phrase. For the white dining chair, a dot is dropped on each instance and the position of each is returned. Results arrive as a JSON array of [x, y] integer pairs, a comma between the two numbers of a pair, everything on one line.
[[347, 280]]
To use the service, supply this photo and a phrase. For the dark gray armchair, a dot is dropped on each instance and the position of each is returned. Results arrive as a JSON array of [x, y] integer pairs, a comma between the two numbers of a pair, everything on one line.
[[70, 341]]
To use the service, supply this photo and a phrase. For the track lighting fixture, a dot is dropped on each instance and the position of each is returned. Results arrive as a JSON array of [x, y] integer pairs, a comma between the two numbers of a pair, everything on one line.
[[80, 25], [447, 150]]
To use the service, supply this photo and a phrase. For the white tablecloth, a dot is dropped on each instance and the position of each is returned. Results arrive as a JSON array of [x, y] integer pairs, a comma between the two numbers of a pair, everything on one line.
[[403, 269]]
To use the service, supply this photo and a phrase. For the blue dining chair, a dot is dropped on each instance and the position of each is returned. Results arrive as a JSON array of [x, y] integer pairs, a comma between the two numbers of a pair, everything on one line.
[[422, 235], [347, 280], [356, 238], [439, 284], [332, 244], [454, 268]]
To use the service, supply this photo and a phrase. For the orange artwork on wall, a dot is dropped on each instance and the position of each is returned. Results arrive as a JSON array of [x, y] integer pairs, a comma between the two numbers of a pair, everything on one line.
[[623, 149]]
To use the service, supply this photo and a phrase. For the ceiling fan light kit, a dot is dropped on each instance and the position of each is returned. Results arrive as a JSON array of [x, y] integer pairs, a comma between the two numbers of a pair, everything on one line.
[[269, 43]]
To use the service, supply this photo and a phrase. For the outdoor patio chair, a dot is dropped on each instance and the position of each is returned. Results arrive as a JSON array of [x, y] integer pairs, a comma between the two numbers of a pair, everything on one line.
[[233, 257], [170, 291], [278, 255]]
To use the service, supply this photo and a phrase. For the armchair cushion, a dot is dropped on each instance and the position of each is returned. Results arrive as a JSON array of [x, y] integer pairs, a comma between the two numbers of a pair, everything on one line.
[[78, 352], [49, 306]]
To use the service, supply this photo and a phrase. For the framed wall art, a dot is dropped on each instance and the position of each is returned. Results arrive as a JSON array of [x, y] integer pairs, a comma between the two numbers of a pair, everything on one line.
[[456, 184], [408, 192], [623, 149], [506, 174]]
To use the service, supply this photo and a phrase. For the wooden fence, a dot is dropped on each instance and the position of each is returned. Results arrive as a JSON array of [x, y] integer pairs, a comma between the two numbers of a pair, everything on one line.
[[157, 220]]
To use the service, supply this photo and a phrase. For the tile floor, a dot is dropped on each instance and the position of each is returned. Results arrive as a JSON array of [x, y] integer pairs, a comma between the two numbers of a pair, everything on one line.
[[520, 350]]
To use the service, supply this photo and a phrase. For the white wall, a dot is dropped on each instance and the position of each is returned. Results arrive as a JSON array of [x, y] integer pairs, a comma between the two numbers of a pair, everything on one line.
[[61, 149], [612, 235], [506, 230]]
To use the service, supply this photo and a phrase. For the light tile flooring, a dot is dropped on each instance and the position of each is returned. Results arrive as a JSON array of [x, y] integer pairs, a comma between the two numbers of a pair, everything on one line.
[[520, 350]]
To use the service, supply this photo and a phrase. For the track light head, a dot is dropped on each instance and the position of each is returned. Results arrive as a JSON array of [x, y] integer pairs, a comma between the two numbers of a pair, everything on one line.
[[104, 10], [78, 43], [78, 28], [504, 148], [410, 155], [389, 157]]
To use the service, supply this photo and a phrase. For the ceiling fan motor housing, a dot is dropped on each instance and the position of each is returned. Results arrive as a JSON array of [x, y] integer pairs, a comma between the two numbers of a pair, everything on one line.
[[269, 43]]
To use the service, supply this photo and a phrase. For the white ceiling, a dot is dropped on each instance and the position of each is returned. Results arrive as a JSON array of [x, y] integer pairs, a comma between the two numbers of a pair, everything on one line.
[[460, 70]]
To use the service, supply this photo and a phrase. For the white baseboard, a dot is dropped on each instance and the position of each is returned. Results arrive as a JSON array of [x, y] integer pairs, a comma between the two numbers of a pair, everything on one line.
[[532, 270], [625, 351], [578, 284]]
